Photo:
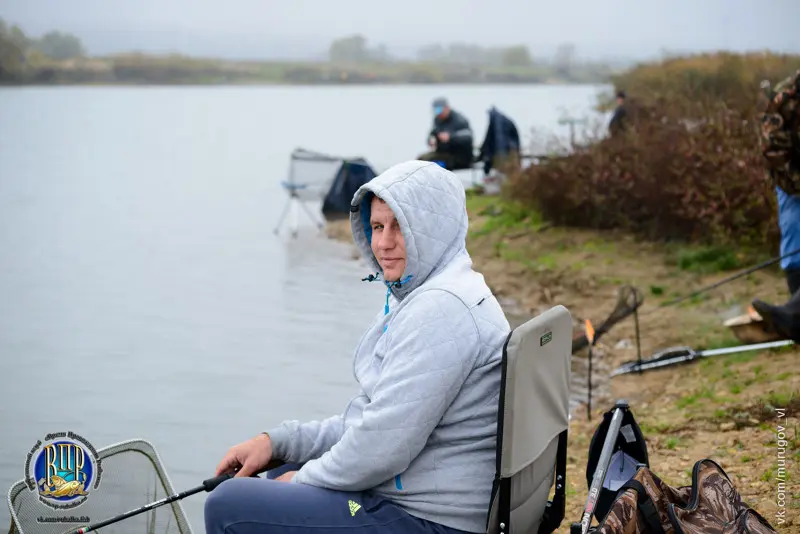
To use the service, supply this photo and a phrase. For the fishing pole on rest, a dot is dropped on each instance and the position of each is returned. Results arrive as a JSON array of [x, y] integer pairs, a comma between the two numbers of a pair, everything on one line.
[[625, 308], [685, 355]]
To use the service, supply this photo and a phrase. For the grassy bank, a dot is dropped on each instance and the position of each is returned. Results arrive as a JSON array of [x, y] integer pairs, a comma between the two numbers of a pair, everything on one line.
[[678, 200], [722, 408]]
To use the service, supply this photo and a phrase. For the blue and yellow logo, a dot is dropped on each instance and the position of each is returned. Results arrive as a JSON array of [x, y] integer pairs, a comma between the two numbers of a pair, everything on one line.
[[63, 469]]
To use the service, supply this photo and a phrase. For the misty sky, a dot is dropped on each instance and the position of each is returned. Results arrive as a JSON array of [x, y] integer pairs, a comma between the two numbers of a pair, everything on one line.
[[298, 28]]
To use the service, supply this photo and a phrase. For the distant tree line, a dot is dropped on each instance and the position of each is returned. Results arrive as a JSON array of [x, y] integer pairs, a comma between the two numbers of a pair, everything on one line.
[[355, 49], [18, 50], [54, 44], [60, 58], [475, 55]]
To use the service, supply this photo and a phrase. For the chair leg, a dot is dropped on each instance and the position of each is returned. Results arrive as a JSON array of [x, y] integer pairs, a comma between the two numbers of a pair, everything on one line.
[[556, 509]]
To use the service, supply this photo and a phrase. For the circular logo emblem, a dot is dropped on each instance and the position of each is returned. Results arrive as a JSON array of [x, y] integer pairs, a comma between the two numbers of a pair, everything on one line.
[[63, 469]]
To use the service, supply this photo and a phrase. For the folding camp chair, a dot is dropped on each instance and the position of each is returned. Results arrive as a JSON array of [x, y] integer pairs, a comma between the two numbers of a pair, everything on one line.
[[532, 426]]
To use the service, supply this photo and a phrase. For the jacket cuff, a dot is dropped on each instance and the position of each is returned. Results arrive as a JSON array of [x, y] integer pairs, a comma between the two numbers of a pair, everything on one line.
[[300, 476], [281, 442]]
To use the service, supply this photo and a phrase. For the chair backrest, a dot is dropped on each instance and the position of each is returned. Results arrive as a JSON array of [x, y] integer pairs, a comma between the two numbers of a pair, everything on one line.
[[532, 426]]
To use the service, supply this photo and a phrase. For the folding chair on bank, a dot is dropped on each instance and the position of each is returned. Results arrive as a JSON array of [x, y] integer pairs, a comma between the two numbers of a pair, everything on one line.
[[533, 424]]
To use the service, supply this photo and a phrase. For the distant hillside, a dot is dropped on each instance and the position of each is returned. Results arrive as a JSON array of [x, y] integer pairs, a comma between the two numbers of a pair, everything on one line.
[[61, 58]]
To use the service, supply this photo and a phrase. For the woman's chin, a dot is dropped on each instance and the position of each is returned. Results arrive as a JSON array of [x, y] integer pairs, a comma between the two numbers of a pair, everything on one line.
[[392, 276], [393, 272]]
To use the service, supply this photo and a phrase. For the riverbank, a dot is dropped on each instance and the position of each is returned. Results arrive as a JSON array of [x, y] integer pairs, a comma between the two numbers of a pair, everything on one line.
[[141, 69], [725, 408]]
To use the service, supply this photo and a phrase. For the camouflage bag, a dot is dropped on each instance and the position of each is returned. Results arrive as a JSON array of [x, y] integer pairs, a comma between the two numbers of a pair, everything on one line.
[[711, 505], [780, 133]]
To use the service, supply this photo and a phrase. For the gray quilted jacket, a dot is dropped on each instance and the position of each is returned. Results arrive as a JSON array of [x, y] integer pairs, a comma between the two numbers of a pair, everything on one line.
[[422, 430]]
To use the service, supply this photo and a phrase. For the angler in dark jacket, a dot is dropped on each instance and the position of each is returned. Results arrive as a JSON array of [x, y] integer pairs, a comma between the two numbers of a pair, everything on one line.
[[450, 138], [501, 144], [619, 119]]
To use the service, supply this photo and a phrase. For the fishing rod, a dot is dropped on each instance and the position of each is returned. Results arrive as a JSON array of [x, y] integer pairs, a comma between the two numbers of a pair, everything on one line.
[[676, 355], [630, 300], [602, 468], [208, 485], [731, 278]]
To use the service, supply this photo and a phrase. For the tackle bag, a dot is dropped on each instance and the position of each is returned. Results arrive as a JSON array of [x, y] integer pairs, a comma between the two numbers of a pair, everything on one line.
[[629, 453], [711, 505]]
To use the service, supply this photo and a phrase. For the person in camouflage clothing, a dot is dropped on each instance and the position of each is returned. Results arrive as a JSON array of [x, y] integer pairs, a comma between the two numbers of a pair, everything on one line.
[[780, 128], [780, 141]]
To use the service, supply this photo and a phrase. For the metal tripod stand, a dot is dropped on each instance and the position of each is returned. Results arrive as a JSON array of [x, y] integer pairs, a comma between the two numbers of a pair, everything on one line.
[[294, 198]]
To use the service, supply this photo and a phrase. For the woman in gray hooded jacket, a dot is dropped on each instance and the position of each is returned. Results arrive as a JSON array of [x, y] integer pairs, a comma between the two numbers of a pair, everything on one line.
[[414, 450]]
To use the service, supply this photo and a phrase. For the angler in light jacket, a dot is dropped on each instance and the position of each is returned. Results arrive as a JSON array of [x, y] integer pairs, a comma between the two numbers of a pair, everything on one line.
[[414, 450]]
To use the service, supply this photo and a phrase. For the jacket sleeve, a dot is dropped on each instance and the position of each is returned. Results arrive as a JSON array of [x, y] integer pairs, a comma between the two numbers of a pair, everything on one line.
[[432, 133], [296, 442], [433, 347], [514, 134], [487, 147], [460, 129]]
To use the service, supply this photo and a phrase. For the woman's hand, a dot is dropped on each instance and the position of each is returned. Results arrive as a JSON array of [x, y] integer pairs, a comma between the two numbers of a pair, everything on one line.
[[250, 457]]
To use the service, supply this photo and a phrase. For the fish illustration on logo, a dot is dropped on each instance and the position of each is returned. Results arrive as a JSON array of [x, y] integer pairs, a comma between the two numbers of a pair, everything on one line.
[[63, 468]]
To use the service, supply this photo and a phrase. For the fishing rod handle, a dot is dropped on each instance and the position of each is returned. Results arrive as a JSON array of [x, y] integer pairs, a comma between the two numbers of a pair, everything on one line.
[[608, 445], [211, 483], [602, 466]]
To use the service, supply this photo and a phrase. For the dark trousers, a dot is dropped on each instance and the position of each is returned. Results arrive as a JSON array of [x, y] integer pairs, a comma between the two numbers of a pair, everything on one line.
[[257, 506], [793, 280]]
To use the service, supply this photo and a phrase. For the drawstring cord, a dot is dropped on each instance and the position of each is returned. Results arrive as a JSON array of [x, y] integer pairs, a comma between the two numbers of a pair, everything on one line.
[[371, 278], [389, 286]]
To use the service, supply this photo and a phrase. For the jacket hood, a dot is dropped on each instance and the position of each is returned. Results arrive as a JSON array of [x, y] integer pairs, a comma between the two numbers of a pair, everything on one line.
[[429, 203]]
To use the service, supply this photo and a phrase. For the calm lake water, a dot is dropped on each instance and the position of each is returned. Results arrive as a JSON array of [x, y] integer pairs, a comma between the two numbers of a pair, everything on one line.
[[142, 291]]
